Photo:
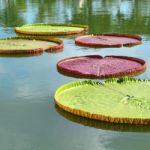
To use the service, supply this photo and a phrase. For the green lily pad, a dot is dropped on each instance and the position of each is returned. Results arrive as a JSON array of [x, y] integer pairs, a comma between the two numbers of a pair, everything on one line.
[[121, 100], [102, 124], [29, 44], [50, 29]]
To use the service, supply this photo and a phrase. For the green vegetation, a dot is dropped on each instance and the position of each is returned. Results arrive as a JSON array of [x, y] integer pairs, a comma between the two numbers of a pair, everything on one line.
[[50, 29], [24, 44], [116, 98]]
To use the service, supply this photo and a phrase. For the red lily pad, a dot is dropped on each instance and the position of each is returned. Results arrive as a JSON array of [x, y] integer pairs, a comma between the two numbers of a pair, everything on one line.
[[96, 66], [108, 40]]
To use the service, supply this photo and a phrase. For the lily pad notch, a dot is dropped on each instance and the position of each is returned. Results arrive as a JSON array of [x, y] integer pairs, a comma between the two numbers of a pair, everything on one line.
[[96, 66], [29, 44], [44, 29], [115, 100], [108, 40]]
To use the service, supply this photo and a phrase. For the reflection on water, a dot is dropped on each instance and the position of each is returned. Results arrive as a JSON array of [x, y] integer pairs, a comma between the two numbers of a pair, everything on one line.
[[111, 16], [101, 124]]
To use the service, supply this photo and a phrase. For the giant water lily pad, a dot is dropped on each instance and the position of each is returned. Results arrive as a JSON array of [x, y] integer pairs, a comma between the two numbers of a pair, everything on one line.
[[123, 100], [95, 66], [50, 29], [29, 44], [102, 124], [108, 40]]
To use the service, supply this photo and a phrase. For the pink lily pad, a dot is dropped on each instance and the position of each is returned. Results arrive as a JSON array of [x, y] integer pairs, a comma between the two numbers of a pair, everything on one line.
[[96, 66], [108, 40]]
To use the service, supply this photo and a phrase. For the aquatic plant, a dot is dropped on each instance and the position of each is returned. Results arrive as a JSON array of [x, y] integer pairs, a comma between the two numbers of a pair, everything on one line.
[[95, 66], [51, 29], [108, 40], [117, 100], [29, 44]]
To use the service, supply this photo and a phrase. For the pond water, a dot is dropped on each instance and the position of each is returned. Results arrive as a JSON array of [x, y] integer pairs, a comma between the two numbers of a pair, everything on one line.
[[29, 119]]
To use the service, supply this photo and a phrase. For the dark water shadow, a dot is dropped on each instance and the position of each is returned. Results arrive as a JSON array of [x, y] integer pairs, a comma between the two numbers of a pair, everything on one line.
[[19, 55], [72, 36], [54, 51], [101, 124]]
